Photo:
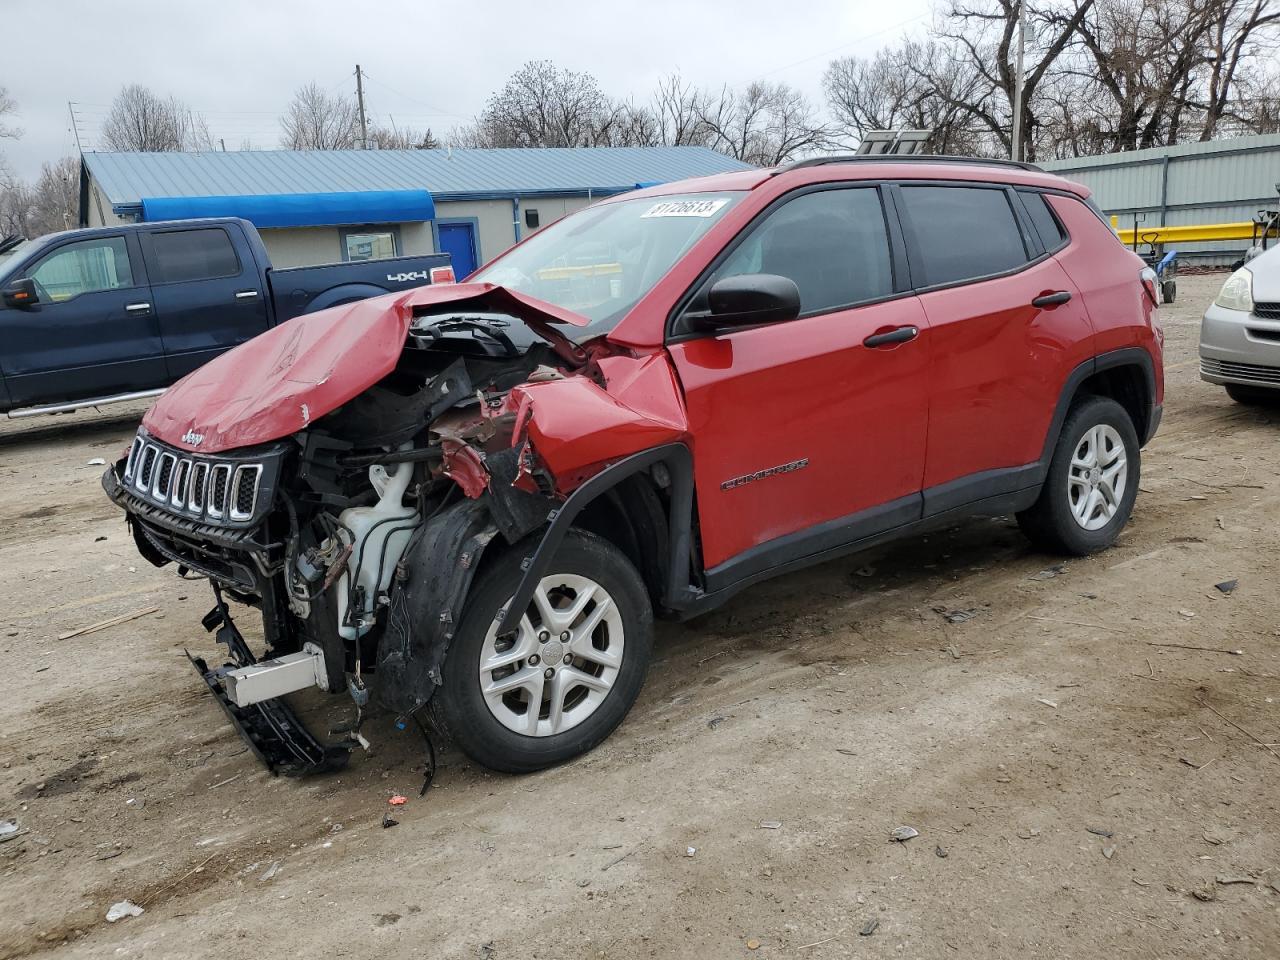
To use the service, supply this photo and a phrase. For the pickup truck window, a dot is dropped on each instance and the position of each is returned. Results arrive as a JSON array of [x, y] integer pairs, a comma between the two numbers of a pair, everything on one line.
[[185, 255], [600, 261], [84, 267]]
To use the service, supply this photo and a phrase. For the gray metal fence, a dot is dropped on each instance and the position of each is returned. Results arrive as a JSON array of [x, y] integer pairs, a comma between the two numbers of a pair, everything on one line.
[[1224, 181]]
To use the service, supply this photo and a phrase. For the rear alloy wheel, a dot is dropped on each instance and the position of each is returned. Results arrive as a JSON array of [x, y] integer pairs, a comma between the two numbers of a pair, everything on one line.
[[566, 677], [1092, 482]]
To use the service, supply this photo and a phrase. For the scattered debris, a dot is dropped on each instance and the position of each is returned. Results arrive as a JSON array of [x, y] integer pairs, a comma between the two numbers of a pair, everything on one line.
[[955, 654], [1047, 703], [1028, 833], [99, 539], [690, 851], [125, 908], [956, 616], [770, 824], [940, 852], [1206, 893], [398, 801], [1253, 736], [1214, 838], [618, 860], [865, 572], [103, 624], [1108, 852], [1100, 832], [1227, 881], [1186, 613], [96, 462], [1227, 586], [903, 834], [270, 872], [715, 722], [1187, 646], [8, 830], [388, 822], [1048, 573], [847, 752], [753, 944], [869, 927], [220, 783]]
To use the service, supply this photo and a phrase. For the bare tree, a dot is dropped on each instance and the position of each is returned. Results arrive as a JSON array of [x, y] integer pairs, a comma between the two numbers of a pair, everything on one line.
[[765, 124], [8, 106], [542, 105], [315, 120], [677, 109], [917, 86], [1237, 33], [141, 120], [55, 198], [402, 138]]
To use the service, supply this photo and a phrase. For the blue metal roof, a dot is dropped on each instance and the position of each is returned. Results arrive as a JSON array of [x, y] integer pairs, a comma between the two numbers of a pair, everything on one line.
[[126, 178]]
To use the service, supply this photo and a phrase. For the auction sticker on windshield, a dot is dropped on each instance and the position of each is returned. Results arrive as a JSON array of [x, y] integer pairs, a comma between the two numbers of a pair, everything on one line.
[[685, 208]]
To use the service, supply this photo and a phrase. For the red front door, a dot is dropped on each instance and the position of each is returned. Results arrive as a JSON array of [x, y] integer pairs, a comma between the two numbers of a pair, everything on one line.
[[799, 424]]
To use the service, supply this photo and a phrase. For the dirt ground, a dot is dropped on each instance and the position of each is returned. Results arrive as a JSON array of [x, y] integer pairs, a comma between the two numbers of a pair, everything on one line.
[[1082, 785]]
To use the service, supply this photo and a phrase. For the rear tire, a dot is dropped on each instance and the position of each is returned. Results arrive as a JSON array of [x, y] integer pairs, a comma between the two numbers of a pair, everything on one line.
[[1092, 483], [590, 627], [1253, 396]]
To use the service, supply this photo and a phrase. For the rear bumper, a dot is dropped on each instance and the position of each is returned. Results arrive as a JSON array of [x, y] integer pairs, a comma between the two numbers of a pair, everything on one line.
[[1238, 347]]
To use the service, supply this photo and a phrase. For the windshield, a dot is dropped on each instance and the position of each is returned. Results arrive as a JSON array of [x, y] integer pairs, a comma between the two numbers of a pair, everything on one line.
[[601, 261]]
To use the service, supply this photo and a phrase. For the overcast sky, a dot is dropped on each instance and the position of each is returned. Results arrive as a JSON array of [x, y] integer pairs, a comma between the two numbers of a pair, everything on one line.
[[239, 61]]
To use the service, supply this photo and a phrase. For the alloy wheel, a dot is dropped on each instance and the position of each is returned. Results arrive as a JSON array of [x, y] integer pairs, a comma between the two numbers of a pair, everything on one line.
[[1096, 481]]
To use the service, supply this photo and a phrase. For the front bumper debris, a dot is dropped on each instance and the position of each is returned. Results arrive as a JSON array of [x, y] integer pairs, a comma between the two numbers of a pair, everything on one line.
[[270, 728]]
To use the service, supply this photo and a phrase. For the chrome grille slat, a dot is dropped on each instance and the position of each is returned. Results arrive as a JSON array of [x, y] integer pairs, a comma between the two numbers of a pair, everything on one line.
[[209, 489]]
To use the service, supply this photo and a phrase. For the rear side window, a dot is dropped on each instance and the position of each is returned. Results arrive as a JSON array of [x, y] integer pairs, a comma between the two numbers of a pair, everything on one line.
[[1051, 233], [187, 255], [832, 243], [963, 232]]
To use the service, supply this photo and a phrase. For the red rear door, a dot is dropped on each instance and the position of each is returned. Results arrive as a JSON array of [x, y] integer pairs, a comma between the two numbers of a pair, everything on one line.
[[804, 437], [998, 360]]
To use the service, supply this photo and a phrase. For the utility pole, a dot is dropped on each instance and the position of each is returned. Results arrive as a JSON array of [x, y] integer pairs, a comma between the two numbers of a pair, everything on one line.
[[1015, 145], [75, 129], [364, 123]]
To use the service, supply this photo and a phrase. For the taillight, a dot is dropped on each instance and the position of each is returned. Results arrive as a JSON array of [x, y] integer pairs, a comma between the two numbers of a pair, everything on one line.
[[442, 275], [1150, 283]]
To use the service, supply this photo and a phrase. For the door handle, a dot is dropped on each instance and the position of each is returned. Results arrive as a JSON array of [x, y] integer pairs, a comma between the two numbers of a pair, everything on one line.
[[1056, 299], [900, 335], [137, 307], [246, 294]]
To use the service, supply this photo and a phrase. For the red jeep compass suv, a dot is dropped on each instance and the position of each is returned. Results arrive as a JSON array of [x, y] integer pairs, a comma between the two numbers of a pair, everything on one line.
[[473, 498]]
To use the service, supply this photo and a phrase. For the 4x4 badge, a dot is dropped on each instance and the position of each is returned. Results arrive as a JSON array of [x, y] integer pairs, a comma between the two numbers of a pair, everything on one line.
[[192, 438], [791, 467]]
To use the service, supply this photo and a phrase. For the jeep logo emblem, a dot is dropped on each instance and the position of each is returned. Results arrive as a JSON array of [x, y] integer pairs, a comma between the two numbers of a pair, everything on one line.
[[192, 438]]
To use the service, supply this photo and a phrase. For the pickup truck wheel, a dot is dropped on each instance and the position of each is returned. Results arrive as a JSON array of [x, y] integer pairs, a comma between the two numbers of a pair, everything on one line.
[[1092, 483], [570, 673]]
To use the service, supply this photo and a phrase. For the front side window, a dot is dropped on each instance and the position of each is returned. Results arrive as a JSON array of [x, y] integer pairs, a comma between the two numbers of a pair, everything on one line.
[[963, 233], [601, 261], [369, 245], [88, 266], [186, 255], [832, 243]]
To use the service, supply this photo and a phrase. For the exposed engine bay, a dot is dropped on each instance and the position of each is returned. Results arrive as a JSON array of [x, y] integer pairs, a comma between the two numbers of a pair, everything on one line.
[[348, 533]]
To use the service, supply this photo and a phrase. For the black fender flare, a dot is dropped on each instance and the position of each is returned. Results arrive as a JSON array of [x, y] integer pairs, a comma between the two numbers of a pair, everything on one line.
[[1124, 357], [679, 463], [427, 601]]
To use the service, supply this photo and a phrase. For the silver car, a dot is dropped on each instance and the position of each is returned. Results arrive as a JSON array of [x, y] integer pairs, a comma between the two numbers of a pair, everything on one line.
[[1240, 333]]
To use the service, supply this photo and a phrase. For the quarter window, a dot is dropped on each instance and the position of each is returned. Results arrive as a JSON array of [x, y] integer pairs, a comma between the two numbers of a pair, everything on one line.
[[1042, 218], [832, 243], [963, 233], [84, 267], [185, 255]]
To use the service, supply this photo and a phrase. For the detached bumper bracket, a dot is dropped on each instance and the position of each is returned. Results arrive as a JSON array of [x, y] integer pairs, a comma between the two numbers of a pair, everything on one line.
[[270, 728]]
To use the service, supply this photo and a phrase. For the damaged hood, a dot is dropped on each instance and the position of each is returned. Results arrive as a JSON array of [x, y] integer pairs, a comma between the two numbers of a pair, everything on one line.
[[277, 383]]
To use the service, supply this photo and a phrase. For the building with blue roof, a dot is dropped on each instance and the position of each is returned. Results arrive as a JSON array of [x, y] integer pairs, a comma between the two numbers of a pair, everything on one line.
[[323, 206]]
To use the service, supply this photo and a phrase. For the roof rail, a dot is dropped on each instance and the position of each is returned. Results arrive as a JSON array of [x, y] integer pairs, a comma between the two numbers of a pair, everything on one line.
[[902, 158]]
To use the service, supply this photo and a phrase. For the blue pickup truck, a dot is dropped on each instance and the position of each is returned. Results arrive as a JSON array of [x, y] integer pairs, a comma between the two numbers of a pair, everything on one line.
[[95, 316]]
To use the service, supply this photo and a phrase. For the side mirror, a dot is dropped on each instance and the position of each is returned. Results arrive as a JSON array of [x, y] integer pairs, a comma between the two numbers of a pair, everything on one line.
[[20, 293], [748, 300]]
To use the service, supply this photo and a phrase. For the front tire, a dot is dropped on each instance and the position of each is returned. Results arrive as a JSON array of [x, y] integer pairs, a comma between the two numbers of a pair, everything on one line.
[[569, 675], [1092, 483]]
